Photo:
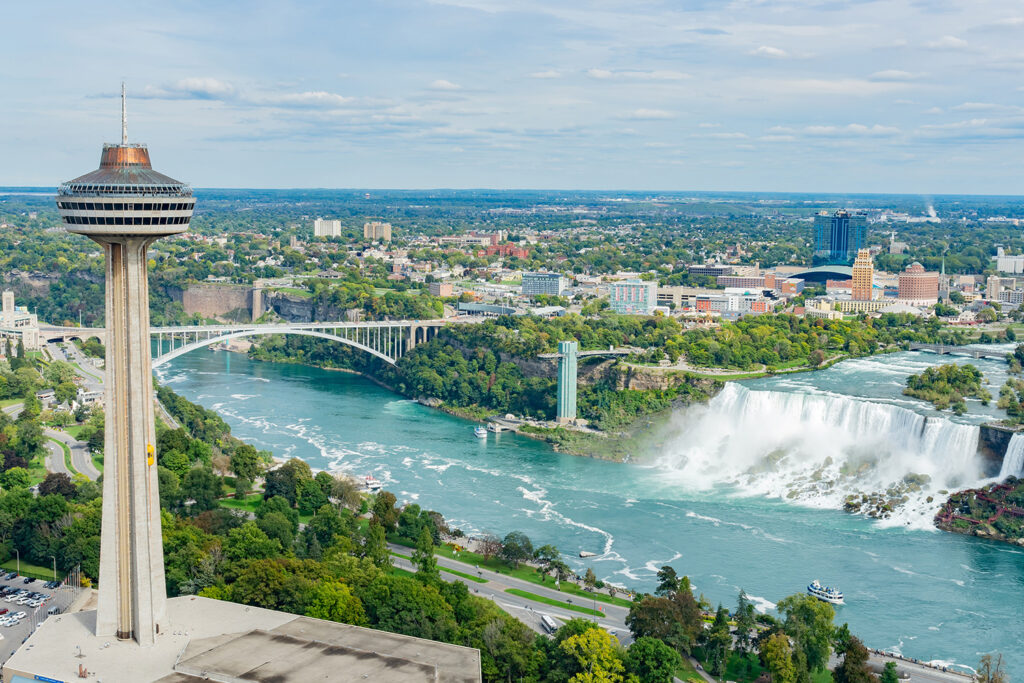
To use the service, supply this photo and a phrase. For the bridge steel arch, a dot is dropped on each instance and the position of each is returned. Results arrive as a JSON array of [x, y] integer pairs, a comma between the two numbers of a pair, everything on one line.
[[182, 350]]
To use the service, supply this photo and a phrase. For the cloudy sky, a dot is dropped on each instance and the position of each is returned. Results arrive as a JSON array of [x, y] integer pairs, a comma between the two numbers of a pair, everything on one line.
[[922, 96]]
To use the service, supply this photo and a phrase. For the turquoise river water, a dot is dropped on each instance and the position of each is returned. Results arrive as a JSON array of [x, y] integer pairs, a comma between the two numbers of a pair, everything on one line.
[[745, 492]]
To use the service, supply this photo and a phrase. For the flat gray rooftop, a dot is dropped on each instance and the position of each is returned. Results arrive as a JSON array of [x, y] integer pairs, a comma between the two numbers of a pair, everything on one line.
[[223, 641]]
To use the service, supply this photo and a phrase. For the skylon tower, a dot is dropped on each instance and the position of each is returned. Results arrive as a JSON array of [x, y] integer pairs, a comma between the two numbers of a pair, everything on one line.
[[125, 206]]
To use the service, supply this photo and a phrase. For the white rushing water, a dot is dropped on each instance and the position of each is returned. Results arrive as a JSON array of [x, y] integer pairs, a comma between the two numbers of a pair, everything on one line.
[[818, 449], [1013, 461]]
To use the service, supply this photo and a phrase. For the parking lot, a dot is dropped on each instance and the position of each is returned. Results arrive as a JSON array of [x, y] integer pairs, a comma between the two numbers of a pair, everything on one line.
[[15, 635]]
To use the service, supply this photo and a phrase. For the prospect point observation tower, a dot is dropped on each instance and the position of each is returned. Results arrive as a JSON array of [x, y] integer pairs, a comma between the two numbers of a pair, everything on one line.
[[125, 206]]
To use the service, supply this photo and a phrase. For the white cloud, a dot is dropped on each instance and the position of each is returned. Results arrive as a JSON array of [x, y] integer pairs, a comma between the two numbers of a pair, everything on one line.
[[314, 98], [638, 75], [709, 125], [852, 129], [728, 136], [777, 138], [550, 73], [769, 51], [895, 75], [648, 115], [189, 89], [983, 106], [947, 43], [442, 84]]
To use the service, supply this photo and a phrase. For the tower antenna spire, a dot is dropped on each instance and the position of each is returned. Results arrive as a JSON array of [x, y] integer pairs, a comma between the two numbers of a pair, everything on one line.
[[124, 116]]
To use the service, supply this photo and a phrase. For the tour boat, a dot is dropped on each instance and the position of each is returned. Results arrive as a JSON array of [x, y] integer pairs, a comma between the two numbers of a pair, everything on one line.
[[481, 432], [827, 594], [372, 484]]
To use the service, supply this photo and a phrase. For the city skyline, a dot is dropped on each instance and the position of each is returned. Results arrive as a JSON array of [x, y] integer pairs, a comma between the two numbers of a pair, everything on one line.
[[912, 97]]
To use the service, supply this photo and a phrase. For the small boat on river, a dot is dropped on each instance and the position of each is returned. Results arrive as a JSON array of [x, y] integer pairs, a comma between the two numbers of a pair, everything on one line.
[[828, 594], [481, 432]]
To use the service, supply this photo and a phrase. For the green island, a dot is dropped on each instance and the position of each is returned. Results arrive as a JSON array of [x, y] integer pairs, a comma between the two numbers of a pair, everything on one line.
[[946, 386], [995, 511]]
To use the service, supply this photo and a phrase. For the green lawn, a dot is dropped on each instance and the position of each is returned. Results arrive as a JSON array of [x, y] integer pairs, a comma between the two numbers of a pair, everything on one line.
[[555, 603], [523, 572], [75, 431], [304, 293], [687, 673], [7, 402], [456, 572], [97, 461], [29, 569], [250, 504]]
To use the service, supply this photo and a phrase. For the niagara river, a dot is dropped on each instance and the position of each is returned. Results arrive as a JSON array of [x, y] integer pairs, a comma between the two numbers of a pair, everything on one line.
[[745, 492]]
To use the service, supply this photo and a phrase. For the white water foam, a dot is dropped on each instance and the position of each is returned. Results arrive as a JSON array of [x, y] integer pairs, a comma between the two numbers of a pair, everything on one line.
[[816, 449], [1013, 461]]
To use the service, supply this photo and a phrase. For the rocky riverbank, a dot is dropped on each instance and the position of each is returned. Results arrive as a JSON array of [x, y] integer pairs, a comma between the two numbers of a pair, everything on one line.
[[995, 512]]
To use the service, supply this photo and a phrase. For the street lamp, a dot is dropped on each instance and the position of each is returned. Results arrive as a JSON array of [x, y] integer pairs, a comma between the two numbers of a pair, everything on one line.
[[19, 560], [54, 558]]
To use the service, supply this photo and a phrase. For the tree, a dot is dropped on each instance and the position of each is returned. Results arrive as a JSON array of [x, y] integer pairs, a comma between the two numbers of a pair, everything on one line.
[[652, 661], [589, 579], [59, 483], [249, 542], [809, 622], [176, 461], [816, 358], [744, 624], [545, 556], [423, 557], [718, 642], [276, 526], [512, 646], [595, 656], [15, 478], [403, 605], [889, 673], [668, 581], [778, 658], [854, 667], [990, 669], [675, 620], [346, 492], [375, 546], [245, 462], [334, 601], [384, 512], [490, 545], [65, 392], [201, 486], [310, 497], [516, 548], [169, 485]]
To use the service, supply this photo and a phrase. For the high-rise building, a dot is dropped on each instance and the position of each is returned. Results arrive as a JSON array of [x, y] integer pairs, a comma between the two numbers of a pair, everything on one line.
[[326, 228], [633, 297], [567, 353], [918, 285], [375, 231], [838, 237], [125, 206], [862, 288], [534, 284]]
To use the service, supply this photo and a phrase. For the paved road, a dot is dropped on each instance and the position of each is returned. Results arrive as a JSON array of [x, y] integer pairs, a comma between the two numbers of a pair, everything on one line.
[[55, 459], [81, 459], [524, 609]]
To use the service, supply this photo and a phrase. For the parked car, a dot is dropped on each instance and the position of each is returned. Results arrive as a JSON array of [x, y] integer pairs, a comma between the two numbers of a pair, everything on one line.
[[29, 579], [4, 611], [12, 575]]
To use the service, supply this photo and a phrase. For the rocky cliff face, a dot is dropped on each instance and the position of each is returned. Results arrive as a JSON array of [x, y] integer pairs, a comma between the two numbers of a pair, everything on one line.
[[992, 442]]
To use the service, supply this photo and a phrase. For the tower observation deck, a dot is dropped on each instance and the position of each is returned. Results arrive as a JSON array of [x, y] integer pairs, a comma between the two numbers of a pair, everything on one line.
[[125, 206]]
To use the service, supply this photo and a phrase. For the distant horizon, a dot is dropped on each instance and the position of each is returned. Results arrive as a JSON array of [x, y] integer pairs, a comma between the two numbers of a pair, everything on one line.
[[14, 190]]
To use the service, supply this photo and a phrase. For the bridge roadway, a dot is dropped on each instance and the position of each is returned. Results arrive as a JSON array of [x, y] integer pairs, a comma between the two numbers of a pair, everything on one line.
[[389, 340], [948, 350]]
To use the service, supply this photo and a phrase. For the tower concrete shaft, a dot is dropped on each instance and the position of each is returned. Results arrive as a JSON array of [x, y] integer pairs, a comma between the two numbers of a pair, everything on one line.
[[131, 547]]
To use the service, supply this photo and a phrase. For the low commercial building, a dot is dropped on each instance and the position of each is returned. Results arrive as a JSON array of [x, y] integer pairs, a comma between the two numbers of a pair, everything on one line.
[[16, 323], [633, 297], [443, 289], [215, 640], [710, 269], [822, 309]]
